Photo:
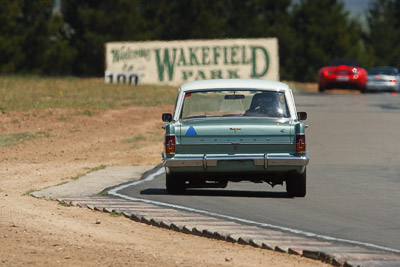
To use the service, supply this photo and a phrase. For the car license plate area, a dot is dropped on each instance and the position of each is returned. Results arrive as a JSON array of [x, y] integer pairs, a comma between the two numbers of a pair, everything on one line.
[[236, 163], [342, 78]]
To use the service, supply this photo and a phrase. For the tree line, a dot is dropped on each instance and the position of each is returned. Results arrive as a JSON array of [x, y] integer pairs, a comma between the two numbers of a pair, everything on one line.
[[36, 39]]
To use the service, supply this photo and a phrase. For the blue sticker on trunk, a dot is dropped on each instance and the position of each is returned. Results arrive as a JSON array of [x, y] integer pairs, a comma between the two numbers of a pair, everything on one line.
[[191, 131]]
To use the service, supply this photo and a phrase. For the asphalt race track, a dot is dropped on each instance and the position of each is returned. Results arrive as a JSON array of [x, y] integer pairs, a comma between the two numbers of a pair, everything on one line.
[[353, 177]]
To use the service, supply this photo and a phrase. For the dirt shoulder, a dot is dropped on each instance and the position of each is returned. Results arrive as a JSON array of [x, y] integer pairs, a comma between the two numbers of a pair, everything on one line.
[[65, 144]]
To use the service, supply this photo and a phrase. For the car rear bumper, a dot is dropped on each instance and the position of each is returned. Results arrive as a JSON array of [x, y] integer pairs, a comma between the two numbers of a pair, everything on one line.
[[265, 160], [382, 86], [351, 84]]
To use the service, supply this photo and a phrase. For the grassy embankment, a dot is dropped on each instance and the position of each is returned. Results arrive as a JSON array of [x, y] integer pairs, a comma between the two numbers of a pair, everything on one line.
[[20, 93], [85, 95]]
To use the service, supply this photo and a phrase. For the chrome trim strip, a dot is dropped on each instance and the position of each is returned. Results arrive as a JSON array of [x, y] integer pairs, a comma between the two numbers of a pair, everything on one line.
[[265, 161], [238, 143]]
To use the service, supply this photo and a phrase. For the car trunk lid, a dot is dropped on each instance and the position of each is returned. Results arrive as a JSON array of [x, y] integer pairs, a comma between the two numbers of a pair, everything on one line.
[[238, 135]]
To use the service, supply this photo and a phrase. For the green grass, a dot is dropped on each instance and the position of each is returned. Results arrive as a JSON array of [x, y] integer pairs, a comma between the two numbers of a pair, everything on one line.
[[62, 118], [63, 203], [76, 177], [75, 129], [116, 214], [139, 141], [134, 139], [24, 93], [28, 192], [13, 139], [86, 112]]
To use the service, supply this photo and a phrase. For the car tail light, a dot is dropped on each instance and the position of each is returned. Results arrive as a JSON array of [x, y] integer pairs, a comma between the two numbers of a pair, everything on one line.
[[328, 72], [393, 80], [170, 144], [300, 143]]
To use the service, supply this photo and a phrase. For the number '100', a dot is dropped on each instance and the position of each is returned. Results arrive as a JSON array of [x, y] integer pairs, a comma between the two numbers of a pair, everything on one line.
[[128, 78]]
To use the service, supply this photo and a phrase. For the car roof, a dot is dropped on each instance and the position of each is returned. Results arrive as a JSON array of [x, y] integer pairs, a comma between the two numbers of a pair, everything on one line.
[[235, 84], [384, 68]]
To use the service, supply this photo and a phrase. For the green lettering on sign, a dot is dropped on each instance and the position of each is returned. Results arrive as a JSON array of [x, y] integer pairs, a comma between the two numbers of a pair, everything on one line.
[[264, 53], [205, 50], [234, 50], [217, 54], [182, 59], [200, 75], [165, 63], [216, 74], [226, 55], [115, 54], [245, 61], [193, 58], [232, 74], [186, 75]]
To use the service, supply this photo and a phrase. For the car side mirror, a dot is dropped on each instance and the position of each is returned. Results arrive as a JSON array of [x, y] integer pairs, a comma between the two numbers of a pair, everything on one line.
[[167, 117], [302, 116]]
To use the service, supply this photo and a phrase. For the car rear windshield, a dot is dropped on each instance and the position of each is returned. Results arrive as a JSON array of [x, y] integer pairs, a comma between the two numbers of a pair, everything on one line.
[[234, 103], [384, 71]]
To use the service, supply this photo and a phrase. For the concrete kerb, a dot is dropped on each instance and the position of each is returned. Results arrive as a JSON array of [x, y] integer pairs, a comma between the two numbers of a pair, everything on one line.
[[83, 191], [95, 182]]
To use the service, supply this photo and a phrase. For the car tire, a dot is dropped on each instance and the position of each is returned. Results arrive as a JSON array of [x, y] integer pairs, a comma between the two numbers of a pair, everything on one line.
[[321, 88], [174, 184], [296, 185]]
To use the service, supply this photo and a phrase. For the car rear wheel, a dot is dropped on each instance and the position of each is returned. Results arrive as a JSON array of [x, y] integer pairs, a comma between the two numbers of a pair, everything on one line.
[[174, 183], [321, 88], [296, 185]]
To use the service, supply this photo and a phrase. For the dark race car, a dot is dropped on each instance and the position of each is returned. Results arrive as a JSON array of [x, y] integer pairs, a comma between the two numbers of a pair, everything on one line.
[[343, 74]]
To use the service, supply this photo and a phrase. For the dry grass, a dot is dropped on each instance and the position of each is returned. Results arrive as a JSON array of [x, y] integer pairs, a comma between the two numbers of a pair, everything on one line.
[[33, 92]]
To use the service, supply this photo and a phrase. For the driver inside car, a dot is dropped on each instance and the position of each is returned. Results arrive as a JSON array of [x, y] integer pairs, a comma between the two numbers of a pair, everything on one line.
[[264, 105]]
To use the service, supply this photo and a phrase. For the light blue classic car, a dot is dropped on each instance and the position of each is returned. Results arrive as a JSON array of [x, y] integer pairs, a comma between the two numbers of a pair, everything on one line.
[[235, 130]]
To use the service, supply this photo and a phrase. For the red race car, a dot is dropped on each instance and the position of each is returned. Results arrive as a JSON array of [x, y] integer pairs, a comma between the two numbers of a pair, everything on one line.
[[343, 74]]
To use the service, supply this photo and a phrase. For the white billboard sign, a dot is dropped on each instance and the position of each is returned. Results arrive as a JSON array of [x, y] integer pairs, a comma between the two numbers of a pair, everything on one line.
[[176, 62]]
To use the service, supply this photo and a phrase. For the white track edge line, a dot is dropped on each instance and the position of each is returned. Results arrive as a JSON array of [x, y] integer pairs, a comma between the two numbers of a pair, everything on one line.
[[265, 225]]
